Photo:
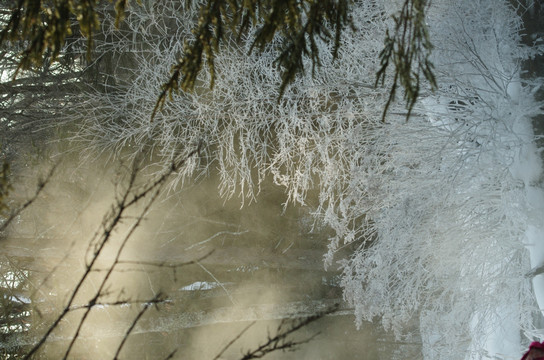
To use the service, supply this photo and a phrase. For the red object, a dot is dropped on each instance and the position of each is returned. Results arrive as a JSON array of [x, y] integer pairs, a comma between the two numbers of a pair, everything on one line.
[[535, 352]]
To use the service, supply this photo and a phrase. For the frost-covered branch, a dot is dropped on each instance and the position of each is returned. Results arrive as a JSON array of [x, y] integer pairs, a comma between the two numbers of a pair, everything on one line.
[[434, 207]]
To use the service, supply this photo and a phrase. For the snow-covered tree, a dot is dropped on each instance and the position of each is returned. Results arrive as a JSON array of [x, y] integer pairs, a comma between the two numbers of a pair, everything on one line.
[[436, 206]]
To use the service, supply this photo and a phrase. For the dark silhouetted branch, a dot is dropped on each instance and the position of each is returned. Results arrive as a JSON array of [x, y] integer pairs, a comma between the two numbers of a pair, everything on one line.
[[286, 328], [156, 300], [41, 185]]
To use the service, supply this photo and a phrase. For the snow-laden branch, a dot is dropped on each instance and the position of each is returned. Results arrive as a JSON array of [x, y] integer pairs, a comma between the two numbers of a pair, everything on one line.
[[435, 205]]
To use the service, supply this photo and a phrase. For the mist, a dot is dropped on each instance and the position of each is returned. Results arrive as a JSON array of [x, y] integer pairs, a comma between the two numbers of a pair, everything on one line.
[[259, 264]]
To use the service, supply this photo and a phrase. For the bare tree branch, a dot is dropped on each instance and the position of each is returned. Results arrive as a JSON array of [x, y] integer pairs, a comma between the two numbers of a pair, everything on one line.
[[129, 197], [41, 185], [233, 340], [280, 340], [156, 300]]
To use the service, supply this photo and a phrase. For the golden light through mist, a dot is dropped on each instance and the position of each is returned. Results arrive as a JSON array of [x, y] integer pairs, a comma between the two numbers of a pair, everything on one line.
[[261, 263]]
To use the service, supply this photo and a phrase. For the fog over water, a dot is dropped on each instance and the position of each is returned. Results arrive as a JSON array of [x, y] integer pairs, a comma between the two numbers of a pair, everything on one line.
[[261, 262]]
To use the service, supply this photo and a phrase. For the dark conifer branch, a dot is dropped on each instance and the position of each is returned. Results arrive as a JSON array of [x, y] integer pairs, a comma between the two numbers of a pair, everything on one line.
[[408, 48]]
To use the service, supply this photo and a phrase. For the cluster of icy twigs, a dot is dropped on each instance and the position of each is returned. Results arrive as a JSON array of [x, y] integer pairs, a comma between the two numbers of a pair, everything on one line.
[[438, 204]]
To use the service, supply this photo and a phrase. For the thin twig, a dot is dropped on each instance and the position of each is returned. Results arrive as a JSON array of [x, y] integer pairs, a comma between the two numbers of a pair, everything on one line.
[[155, 300], [99, 292], [171, 355], [219, 282], [166, 264], [280, 342], [216, 235], [119, 303], [20, 209], [110, 223], [234, 340]]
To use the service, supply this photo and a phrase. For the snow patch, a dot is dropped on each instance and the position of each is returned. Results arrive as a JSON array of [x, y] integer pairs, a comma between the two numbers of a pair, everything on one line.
[[200, 285]]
